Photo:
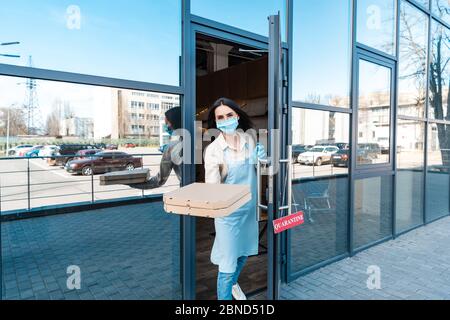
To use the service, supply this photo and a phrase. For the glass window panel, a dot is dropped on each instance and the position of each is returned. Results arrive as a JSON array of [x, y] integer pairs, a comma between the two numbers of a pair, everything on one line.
[[246, 15], [320, 186], [441, 8], [134, 40], [413, 61], [119, 252], [372, 210], [439, 72], [376, 24], [321, 59], [423, 3], [73, 118], [410, 169], [374, 109], [438, 178]]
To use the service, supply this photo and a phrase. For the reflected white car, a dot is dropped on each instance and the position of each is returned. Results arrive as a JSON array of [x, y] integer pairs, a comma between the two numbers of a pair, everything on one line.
[[318, 155], [47, 151]]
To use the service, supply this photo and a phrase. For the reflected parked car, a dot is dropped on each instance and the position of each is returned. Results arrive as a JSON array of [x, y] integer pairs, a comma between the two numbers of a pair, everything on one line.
[[297, 149], [341, 158], [34, 152], [112, 147], [47, 151], [86, 153], [67, 152], [14, 152], [103, 162], [130, 145], [318, 155], [368, 152]]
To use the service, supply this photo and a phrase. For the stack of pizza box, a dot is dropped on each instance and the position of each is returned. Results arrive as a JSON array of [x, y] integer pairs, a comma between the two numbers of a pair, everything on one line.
[[207, 200]]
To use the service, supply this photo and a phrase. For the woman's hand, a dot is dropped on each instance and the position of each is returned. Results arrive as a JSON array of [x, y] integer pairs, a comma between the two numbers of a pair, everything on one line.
[[258, 153]]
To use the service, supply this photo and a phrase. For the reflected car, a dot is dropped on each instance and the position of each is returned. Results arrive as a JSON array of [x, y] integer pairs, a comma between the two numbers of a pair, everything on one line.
[[103, 162], [14, 152], [130, 145], [112, 147], [368, 152], [318, 155], [47, 151], [340, 158], [297, 149], [67, 152], [86, 153], [34, 152]]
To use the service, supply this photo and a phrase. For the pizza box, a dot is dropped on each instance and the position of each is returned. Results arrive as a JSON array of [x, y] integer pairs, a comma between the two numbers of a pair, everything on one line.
[[125, 177], [207, 200]]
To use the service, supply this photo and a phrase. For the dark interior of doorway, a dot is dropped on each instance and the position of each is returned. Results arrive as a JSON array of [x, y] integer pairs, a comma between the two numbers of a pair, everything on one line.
[[225, 69]]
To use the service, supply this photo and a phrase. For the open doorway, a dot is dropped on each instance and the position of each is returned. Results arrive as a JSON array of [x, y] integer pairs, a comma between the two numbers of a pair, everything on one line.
[[226, 69]]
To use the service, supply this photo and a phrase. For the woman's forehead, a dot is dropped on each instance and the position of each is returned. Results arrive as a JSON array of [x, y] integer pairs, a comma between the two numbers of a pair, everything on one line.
[[223, 110]]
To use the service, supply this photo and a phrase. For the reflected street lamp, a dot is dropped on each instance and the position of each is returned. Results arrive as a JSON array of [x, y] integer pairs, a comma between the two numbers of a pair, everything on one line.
[[9, 44]]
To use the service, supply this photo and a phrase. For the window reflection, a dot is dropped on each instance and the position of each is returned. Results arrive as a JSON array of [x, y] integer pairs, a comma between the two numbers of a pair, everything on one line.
[[68, 121], [374, 109], [440, 72], [247, 15], [373, 210], [320, 143], [413, 61], [438, 178], [134, 40], [320, 188], [321, 59], [410, 168], [441, 8], [376, 24]]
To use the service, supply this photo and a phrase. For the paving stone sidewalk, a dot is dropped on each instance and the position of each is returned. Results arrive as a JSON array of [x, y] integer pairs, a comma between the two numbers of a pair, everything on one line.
[[414, 266]]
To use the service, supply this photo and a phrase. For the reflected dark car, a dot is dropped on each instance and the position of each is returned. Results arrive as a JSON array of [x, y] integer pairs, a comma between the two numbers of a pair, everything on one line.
[[342, 145], [112, 147], [67, 152], [340, 158], [104, 162], [86, 153], [297, 149]]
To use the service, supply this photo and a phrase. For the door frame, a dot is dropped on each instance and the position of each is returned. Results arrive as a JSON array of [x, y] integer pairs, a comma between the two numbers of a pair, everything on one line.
[[217, 30], [371, 170]]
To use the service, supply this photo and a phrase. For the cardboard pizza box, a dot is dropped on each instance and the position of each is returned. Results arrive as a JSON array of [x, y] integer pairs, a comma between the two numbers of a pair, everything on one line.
[[125, 177], [207, 200]]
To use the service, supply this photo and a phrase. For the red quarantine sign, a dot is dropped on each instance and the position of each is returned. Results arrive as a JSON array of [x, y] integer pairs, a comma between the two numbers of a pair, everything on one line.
[[288, 222]]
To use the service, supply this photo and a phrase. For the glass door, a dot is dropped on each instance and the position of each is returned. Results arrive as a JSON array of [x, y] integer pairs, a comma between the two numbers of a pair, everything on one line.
[[373, 152]]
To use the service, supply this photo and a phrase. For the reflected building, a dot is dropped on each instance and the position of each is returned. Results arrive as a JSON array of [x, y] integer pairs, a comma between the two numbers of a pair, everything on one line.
[[77, 127], [137, 114]]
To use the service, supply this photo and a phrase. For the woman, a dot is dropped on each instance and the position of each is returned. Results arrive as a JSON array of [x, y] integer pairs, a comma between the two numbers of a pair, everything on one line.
[[172, 153], [230, 159]]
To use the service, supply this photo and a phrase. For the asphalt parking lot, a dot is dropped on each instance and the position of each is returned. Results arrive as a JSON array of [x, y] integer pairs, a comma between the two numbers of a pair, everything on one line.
[[52, 185]]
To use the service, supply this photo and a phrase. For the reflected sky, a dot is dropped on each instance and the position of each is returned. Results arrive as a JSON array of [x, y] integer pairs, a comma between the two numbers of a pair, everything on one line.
[[321, 51], [133, 39], [247, 15], [376, 24]]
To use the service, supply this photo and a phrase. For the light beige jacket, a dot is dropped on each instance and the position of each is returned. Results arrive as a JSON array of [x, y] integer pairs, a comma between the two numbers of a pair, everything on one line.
[[215, 166]]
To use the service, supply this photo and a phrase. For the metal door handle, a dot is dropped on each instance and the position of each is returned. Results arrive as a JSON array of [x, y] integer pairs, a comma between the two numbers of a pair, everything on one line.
[[290, 174], [259, 205]]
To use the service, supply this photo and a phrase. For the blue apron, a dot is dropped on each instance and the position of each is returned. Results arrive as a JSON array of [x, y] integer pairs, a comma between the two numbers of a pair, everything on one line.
[[237, 234]]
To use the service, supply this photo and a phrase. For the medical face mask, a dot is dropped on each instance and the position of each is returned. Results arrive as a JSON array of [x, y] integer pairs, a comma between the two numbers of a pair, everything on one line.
[[228, 126], [167, 129]]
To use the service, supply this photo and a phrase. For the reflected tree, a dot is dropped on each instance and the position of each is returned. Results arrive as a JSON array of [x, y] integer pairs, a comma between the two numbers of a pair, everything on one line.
[[440, 88]]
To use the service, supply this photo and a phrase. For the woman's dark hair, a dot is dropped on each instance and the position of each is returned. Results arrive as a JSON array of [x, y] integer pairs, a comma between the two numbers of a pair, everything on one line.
[[174, 117], [244, 120]]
